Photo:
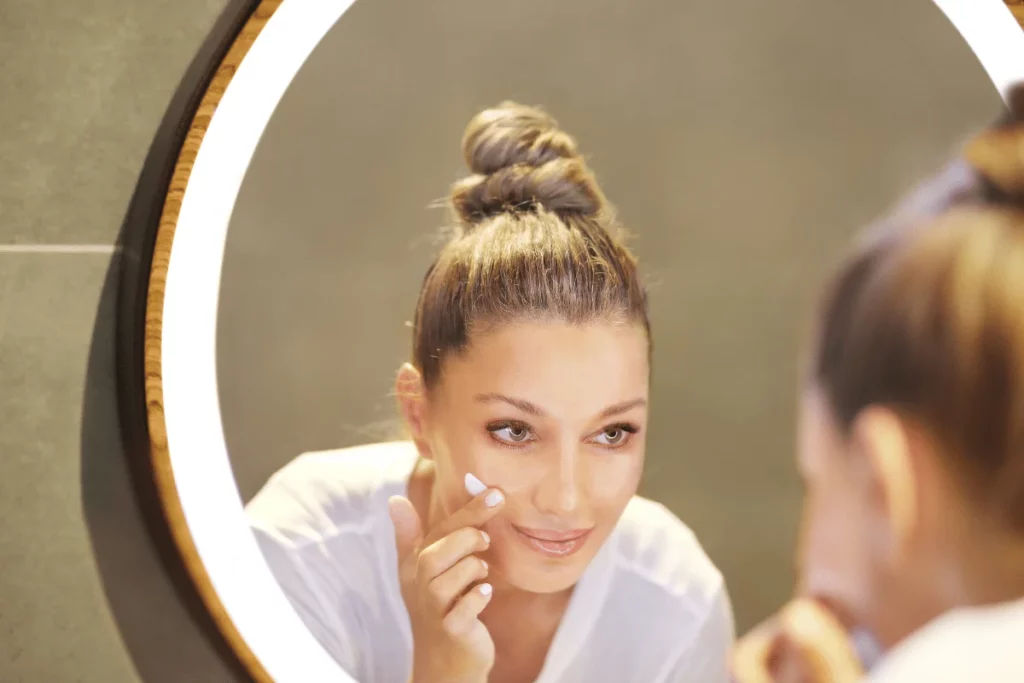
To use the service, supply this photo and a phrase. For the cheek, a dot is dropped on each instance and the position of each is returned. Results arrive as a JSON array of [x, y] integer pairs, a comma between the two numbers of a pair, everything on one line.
[[606, 481], [612, 480], [834, 548], [459, 454]]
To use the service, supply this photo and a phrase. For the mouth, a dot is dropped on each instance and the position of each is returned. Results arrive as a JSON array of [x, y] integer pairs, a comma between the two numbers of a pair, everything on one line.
[[553, 543]]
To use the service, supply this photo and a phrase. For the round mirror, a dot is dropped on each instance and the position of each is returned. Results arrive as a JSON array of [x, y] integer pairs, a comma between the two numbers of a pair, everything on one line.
[[282, 230]]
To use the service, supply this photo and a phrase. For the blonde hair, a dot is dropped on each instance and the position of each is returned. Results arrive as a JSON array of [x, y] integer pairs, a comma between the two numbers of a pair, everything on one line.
[[927, 317]]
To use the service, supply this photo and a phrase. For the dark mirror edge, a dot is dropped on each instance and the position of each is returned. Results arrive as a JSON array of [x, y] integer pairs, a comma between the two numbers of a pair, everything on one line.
[[134, 252]]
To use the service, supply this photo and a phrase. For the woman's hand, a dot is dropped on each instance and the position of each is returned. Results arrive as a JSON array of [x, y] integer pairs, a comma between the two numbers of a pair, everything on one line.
[[439, 573], [803, 643]]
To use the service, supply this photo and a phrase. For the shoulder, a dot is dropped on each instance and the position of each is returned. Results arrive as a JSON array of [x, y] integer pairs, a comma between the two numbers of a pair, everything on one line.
[[662, 570], [993, 636], [323, 493], [656, 547], [665, 600]]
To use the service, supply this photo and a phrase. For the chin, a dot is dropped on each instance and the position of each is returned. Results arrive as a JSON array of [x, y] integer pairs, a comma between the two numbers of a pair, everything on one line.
[[529, 570], [534, 579]]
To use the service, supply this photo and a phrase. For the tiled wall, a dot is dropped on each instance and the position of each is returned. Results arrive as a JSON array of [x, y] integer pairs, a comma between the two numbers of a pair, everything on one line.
[[82, 594]]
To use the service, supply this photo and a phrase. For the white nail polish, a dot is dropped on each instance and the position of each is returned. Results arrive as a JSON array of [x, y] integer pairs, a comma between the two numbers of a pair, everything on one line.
[[487, 539], [485, 588], [474, 486], [493, 498]]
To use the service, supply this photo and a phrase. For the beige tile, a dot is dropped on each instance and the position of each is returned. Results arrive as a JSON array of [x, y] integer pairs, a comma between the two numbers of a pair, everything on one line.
[[83, 595], [84, 86]]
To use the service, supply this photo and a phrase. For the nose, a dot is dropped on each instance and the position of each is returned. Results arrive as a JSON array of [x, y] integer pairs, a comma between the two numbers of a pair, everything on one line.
[[560, 491]]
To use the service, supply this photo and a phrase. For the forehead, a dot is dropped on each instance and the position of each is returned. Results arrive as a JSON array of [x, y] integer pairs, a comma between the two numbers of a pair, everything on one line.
[[554, 363]]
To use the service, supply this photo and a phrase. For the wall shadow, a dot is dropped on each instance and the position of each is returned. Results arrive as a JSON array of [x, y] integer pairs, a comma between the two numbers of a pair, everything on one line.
[[164, 626]]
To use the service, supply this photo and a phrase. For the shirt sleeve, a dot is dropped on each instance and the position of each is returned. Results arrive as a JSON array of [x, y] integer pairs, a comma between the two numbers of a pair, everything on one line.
[[318, 600], [705, 658]]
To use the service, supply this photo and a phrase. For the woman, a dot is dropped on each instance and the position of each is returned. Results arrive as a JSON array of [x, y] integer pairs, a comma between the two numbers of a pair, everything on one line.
[[911, 445], [529, 375]]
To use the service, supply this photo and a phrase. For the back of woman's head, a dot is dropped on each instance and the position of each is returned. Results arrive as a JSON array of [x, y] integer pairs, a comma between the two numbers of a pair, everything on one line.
[[926, 317], [533, 239]]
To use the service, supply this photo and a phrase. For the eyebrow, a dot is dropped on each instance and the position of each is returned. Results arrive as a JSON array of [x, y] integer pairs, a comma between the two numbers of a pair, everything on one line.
[[533, 409], [620, 408]]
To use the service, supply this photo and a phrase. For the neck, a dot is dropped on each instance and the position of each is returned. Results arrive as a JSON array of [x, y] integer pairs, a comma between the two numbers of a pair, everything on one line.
[[981, 572], [989, 569]]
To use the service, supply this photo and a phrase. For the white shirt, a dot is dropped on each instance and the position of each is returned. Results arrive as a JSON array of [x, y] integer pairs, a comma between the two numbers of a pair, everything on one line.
[[650, 607], [976, 645]]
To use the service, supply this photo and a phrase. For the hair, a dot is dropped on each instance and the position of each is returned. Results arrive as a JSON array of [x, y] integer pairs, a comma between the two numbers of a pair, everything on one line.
[[533, 238], [926, 316]]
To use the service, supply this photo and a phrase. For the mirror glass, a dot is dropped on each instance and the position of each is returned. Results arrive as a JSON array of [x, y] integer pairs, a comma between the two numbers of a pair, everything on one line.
[[741, 146]]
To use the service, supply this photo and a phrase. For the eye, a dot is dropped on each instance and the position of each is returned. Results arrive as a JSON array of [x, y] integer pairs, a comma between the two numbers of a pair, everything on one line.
[[511, 433], [615, 436]]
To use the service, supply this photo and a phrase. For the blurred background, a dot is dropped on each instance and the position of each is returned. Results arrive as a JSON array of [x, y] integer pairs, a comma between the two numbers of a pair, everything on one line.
[[743, 143]]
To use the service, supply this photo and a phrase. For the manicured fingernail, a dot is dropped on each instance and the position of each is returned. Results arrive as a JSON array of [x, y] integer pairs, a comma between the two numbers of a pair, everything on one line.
[[474, 486], [485, 589], [487, 539], [484, 563], [493, 498]]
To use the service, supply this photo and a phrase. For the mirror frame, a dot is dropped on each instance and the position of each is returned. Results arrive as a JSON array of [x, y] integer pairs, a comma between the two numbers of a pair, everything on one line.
[[256, 47]]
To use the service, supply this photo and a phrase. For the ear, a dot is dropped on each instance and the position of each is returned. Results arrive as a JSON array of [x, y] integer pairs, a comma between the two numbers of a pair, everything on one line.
[[412, 404], [883, 441]]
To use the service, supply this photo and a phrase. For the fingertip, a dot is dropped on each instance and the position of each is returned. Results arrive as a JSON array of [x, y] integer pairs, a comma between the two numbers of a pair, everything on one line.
[[403, 514], [473, 485], [806, 620]]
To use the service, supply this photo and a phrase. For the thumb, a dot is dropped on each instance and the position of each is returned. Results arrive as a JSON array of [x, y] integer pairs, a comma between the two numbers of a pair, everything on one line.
[[408, 529], [825, 648]]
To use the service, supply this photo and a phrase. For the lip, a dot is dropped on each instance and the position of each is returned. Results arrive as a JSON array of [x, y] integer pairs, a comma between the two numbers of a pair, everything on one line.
[[553, 543]]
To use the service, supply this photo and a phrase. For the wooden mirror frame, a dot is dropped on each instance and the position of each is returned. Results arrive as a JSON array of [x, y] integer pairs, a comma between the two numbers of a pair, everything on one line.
[[145, 247]]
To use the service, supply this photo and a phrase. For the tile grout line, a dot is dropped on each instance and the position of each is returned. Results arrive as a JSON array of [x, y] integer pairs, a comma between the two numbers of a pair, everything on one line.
[[57, 248]]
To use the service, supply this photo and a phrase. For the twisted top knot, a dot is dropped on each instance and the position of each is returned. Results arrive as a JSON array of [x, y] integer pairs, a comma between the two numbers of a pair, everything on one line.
[[520, 160], [997, 154]]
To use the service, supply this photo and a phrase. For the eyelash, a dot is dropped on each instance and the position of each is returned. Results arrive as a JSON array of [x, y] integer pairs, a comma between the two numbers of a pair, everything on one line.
[[630, 429]]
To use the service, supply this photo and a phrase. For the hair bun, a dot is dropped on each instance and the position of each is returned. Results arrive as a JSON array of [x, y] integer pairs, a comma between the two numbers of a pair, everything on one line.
[[520, 160], [997, 154], [998, 157]]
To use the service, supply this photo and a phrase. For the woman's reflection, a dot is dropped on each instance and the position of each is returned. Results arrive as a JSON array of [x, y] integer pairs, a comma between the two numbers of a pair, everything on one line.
[[912, 445], [529, 374]]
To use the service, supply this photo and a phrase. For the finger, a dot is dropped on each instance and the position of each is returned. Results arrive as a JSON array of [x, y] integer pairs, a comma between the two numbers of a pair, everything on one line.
[[823, 644], [752, 656], [460, 619], [789, 665], [476, 513], [450, 585], [408, 528], [442, 555]]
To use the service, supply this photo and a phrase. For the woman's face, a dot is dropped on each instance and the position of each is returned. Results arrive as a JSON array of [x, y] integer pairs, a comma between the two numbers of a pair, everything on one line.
[[834, 558], [874, 530], [555, 416]]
